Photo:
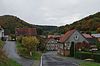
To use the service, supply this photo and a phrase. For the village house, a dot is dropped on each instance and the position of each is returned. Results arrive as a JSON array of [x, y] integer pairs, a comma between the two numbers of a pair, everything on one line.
[[26, 32], [1, 32], [97, 36], [70, 40], [56, 37], [52, 42]]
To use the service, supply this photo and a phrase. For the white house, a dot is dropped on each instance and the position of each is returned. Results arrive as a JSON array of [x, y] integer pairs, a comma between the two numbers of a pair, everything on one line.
[[52, 44], [96, 36], [1, 32]]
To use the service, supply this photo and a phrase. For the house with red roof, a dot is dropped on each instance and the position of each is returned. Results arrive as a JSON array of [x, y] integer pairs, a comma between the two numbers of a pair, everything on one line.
[[70, 39], [26, 32], [96, 36]]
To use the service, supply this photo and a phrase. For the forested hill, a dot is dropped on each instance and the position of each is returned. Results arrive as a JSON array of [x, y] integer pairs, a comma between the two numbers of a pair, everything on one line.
[[9, 23], [88, 24]]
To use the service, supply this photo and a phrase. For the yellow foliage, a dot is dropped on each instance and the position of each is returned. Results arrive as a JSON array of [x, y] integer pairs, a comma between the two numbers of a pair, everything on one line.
[[30, 42], [98, 30]]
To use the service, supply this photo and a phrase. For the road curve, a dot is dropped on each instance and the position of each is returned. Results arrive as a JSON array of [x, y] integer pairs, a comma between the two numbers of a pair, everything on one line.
[[51, 59], [10, 50]]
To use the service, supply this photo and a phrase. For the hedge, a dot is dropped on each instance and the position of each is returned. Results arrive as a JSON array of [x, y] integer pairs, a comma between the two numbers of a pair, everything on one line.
[[86, 55]]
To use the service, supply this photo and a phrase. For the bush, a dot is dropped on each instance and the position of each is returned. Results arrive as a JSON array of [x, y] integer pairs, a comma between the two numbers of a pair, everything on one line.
[[1, 44], [19, 39], [3, 57], [85, 55], [30, 43], [36, 55], [97, 57], [22, 50]]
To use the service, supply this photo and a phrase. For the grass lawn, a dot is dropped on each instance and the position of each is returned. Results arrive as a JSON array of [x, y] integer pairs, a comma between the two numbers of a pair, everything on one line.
[[89, 64], [36, 55], [10, 63]]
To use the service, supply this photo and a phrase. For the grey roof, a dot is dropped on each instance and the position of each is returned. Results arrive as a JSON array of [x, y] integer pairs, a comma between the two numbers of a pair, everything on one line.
[[96, 35]]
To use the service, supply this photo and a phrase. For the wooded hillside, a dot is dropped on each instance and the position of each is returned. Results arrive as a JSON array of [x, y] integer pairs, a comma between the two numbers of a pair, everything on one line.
[[9, 23], [87, 24]]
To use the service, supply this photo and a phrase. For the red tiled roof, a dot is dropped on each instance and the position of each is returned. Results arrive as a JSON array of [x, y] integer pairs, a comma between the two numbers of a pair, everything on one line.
[[87, 35], [26, 31], [66, 35], [54, 36]]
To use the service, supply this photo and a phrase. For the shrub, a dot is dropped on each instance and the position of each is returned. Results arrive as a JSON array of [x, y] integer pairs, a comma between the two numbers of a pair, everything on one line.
[[97, 57], [85, 55], [3, 57], [1, 44], [36, 55], [23, 50], [19, 39], [30, 43]]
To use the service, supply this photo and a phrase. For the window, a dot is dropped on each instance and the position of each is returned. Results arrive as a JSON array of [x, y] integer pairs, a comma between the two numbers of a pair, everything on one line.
[[76, 37]]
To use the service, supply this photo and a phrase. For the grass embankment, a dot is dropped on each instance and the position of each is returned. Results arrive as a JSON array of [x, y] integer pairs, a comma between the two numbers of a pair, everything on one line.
[[25, 53], [89, 64], [10, 62]]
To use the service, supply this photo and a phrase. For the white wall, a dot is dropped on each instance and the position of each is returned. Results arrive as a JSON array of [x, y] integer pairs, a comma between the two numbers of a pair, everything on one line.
[[1, 33]]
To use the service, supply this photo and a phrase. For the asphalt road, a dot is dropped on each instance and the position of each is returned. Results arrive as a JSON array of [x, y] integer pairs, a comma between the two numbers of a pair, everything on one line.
[[51, 59], [10, 50]]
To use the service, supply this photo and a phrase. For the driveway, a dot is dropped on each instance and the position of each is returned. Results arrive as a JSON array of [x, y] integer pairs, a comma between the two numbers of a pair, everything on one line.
[[10, 50], [52, 59]]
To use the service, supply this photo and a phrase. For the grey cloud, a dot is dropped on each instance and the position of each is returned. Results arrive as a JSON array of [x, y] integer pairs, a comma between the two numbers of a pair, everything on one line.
[[50, 12]]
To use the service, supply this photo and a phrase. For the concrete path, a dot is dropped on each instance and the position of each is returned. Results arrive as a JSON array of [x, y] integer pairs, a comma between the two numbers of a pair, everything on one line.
[[10, 50]]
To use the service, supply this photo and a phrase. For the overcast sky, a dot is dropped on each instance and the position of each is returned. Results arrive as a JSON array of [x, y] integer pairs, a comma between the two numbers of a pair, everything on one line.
[[49, 12]]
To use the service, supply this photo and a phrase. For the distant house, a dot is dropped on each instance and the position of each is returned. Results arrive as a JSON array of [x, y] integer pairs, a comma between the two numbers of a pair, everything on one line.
[[43, 36], [56, 37], [52, 44], [26, 31], [70, 39], [91, 39], [96, 36], [1, 32]]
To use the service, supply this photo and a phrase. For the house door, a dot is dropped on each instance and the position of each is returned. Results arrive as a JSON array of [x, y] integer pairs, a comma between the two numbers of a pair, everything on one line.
[[72, 49]]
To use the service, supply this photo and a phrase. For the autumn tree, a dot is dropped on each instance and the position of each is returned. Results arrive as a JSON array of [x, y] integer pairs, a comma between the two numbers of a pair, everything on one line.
[[41, 46], [30, 43], [98, 30]]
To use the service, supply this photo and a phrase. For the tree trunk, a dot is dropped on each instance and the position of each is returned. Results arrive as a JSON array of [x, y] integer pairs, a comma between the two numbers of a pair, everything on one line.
[[30, 53]]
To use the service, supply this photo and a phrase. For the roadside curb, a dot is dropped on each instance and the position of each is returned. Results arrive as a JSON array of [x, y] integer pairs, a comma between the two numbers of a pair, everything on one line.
[[41, 61]]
